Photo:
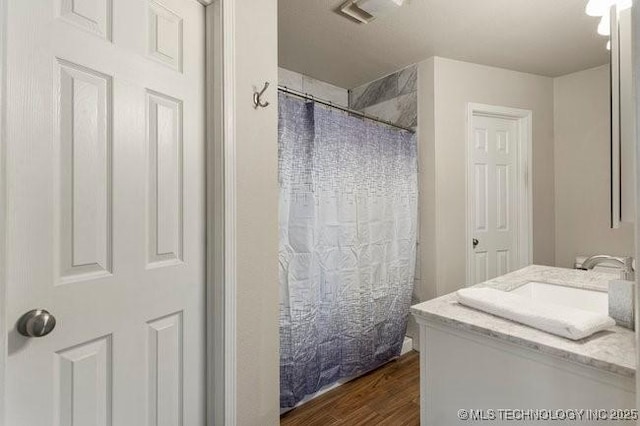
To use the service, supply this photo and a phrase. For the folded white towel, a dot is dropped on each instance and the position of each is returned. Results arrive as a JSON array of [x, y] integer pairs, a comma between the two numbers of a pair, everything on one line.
[[560, 320]]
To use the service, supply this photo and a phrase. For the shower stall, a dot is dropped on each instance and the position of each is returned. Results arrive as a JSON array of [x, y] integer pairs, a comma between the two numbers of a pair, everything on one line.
[[347, 252]]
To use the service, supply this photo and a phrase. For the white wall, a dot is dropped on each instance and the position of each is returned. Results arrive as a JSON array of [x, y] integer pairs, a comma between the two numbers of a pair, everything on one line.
[[425, 287], [446, 87], [570, 165], [258, 363], [582, 149], [320, 89]]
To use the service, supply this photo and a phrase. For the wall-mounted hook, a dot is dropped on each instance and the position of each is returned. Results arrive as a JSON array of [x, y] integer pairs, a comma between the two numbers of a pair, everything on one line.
[[257, 97]]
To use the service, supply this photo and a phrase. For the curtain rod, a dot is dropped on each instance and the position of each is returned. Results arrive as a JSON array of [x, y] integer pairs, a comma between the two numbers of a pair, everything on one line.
[[360, 114]]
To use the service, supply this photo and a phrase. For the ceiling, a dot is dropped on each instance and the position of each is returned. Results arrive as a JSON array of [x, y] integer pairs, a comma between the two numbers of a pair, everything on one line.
[[546, 37]]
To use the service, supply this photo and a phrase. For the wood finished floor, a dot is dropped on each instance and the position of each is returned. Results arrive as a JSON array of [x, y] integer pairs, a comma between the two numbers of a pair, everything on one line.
[[388, 396]]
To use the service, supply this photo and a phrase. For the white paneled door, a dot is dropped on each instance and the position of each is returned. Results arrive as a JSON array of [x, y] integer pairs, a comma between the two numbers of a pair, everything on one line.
[[494, 197], [105, 168]]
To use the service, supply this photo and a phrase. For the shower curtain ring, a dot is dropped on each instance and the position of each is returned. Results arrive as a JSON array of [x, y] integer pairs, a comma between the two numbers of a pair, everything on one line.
[[257, 97]]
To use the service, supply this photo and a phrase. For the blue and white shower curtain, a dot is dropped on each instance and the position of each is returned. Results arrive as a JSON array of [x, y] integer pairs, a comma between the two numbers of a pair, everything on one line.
[[348, 227]]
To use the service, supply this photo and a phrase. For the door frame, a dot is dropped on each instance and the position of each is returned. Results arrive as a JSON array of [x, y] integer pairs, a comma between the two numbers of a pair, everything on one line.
[[220, 398], [3, 203], [635, 24], [523, 119], [221, 404]]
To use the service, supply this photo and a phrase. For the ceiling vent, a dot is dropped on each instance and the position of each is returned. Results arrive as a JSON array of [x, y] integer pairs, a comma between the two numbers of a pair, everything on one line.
[[365, 11]]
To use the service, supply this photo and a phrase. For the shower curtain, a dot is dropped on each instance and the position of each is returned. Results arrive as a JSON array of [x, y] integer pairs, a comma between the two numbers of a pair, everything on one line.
[[348, 226]]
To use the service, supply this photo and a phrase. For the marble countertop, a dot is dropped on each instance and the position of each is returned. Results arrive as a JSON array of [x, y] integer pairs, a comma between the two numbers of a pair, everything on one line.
[[612, 350]]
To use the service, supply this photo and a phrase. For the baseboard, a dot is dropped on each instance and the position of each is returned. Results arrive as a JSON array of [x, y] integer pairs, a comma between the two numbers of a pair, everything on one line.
[[322, 391], [407, 345]]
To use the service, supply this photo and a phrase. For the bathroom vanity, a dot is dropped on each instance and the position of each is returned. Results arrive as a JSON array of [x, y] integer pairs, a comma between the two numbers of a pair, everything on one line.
[[471, 360]]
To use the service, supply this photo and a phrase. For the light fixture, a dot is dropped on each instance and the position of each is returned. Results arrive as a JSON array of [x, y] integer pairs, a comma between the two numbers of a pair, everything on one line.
[[599, 7], [604, 27], [624, 4], [602, 7], [365, 11]]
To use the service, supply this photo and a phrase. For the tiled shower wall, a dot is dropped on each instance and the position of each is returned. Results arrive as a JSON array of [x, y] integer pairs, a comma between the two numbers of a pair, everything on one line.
[[393, 98], [317, 88]]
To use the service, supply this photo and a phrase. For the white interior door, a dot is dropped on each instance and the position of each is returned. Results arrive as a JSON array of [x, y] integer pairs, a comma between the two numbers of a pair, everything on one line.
[[493, 186], [105, 168]]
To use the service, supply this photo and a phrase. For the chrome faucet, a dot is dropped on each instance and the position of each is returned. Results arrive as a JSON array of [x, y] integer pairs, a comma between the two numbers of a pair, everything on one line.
[[626, 263]]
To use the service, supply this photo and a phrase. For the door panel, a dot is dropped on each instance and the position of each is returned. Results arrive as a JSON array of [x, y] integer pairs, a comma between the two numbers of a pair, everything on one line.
[[481, 196], [165, 370], [85, 200], [494, 212], [91, 15], [83, 391], [164, 116], [105, 165]]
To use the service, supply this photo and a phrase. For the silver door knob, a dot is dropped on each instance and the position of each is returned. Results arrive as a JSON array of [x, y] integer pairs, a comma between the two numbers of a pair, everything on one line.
[[475, 243], [36, 323]]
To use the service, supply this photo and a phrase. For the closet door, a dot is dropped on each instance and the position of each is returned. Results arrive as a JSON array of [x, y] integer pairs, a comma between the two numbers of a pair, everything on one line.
[[105, 131]]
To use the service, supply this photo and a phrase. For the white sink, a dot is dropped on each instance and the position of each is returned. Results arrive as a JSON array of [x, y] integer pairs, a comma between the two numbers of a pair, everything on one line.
[[589, 300]]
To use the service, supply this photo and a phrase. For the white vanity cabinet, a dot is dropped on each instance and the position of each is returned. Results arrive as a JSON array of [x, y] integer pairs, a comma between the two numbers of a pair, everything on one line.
[[472, 360], [461, 369], [623, 131]]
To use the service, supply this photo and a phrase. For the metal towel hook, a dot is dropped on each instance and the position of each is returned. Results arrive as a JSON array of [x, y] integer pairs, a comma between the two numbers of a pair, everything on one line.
[[257, 97]]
